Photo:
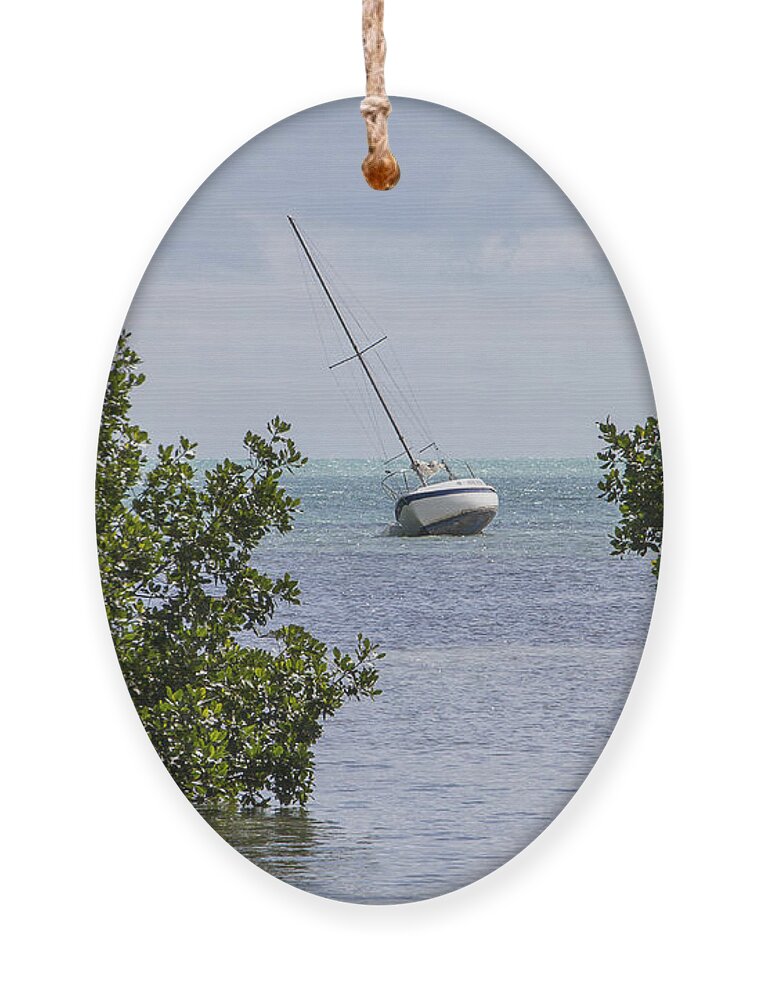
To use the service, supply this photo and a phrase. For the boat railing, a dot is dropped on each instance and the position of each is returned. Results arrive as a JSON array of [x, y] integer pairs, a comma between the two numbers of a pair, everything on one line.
[[396, 484]]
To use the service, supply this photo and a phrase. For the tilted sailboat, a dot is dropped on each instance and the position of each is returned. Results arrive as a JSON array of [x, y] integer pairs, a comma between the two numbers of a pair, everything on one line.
[[450, 506]]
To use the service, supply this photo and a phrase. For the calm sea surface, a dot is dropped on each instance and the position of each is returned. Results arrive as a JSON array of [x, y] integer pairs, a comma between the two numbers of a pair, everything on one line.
[[509, 656]]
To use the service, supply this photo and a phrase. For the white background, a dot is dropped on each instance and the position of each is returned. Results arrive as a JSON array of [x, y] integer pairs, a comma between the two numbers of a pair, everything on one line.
[[644, 114]]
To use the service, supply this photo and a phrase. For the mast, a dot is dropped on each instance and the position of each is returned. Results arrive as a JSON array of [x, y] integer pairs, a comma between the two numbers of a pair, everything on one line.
[[354, 345]]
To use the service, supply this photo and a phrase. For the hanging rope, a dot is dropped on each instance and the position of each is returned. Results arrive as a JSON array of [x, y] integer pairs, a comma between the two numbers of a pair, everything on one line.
[[380, 167]]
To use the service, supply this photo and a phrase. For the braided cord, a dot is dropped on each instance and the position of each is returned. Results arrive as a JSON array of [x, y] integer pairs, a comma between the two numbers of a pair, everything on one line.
[[380, 167]]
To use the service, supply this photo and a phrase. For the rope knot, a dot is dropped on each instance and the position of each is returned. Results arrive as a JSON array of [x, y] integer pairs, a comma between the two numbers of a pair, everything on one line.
[[375, 104]]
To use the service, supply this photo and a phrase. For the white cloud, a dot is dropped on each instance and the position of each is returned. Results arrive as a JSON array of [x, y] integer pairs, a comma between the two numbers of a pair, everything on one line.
[[545, 252]]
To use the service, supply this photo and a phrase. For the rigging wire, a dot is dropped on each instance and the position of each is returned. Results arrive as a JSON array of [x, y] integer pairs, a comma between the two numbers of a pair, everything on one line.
[[351, 374], [404, 396], [317, 313], [370, 432]]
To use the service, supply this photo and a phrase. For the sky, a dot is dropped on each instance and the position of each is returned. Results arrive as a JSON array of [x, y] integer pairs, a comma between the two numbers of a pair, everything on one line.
[[507, 332]]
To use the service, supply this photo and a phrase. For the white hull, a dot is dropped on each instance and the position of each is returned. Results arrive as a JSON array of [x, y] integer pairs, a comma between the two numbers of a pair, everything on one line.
[[452, 507]]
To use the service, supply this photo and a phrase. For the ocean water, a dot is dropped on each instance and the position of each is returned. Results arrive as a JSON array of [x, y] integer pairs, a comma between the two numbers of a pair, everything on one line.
[[509, 656]]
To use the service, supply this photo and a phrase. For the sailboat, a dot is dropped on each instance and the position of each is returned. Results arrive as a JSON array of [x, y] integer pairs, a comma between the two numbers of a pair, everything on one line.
[[448, 506]]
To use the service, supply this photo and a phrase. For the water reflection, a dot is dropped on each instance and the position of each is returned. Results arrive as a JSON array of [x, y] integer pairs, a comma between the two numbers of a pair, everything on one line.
[[293, 845], [281, 841]]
